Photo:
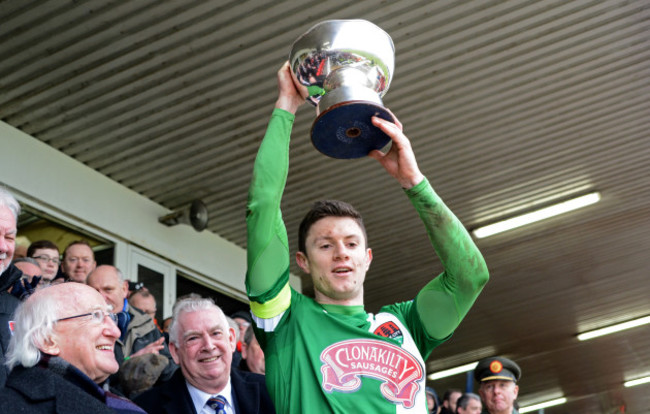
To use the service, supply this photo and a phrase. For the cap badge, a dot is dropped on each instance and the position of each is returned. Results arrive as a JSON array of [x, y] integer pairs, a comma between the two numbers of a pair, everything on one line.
[[496, 367]]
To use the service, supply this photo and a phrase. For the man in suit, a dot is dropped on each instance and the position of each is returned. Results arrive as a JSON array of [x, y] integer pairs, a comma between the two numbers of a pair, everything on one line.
[[9, 274], [60, 354], [201, 343]]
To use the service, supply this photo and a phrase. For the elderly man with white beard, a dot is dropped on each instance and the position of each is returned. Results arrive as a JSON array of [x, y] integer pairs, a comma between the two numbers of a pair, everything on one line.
[[9, 274]]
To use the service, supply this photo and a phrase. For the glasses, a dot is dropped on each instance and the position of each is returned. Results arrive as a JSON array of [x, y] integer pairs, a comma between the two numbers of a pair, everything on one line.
[[74, 260], [97, 316], [46, 259]]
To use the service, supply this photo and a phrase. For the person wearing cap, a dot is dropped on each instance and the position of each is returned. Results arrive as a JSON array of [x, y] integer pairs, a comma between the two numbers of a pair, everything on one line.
[[498, 387]]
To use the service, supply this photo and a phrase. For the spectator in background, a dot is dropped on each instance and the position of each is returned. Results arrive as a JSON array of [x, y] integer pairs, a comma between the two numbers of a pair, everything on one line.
[[236, 354], [146, 302], [135, 286], [138, 334], [167, 322], [243, 320], [30, 280], [252, 356], [468, 403], [9, 274], [61, 353], [78, 261], [29, 267], [20, 250], [202, 343], [497, 378], [449, 401], [46, 254], [433, 405], [234, 325]]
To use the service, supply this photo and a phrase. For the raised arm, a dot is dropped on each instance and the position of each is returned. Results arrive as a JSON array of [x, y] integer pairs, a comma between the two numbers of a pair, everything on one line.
[[443, 302], [267, 276]]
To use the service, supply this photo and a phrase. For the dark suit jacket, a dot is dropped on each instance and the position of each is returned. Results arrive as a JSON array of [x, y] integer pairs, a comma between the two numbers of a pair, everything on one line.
[[172, 397], [8, 305], [35, 390]]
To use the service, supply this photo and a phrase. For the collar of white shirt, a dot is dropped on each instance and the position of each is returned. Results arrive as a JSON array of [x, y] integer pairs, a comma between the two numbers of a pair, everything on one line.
[[199, 398]]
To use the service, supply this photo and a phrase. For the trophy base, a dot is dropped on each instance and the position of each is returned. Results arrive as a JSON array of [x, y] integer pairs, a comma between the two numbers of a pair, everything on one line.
[[345, 130]]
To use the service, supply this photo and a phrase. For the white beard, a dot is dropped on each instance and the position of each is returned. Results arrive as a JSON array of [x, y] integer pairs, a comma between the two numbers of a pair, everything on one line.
[[2, 263]]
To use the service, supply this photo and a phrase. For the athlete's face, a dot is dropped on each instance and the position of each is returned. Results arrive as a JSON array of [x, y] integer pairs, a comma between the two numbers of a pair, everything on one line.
[[337, 259], [498, 395]]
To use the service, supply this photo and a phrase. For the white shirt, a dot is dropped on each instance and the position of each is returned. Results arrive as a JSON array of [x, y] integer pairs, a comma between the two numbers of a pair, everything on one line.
[[200, 398]]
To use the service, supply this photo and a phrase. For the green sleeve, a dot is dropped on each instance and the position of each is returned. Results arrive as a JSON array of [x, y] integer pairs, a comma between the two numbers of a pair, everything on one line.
[[268, 257], [444, 302]]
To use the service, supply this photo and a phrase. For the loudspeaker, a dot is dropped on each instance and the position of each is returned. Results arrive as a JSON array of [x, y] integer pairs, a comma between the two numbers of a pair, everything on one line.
[[194, 214]]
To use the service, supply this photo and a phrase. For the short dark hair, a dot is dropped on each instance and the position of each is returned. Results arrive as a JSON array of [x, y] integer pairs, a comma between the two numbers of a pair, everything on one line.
[[84, 242], [464, 399], [41, 244], [448, 393], [327, 208]]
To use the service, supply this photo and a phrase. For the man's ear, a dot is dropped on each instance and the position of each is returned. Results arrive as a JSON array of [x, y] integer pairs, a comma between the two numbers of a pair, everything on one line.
[[174, 352], [49, 346], [125, 288], [303, 261], [368, 258], [233, 339]]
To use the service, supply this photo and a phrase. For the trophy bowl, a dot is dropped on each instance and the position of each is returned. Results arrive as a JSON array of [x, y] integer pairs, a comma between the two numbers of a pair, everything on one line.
[[347, 66]]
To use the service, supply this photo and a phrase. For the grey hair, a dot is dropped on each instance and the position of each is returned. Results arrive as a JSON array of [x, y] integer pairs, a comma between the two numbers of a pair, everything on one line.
[[463, 400], [193, 303], [120, 275], [26, 260], [34, 327], [8, 200], [234, 326]]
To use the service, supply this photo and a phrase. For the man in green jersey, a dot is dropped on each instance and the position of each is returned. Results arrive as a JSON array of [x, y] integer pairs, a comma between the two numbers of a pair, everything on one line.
[[327, 354]]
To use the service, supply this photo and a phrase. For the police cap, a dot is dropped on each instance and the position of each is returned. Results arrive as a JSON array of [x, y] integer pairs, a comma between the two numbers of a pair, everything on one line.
[[497, 368]]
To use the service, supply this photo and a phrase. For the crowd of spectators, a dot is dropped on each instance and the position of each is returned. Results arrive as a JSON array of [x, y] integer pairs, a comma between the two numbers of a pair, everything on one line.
[[76, 337]]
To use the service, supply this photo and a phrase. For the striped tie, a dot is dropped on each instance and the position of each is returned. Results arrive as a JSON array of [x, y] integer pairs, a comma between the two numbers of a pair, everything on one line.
[[218, 404]]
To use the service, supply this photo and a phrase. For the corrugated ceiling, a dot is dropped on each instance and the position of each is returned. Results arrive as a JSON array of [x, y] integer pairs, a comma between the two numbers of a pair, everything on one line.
[[509, 105]]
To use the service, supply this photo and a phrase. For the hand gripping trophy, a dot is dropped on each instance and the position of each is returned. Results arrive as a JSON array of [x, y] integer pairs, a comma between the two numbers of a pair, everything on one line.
[[347, 66]]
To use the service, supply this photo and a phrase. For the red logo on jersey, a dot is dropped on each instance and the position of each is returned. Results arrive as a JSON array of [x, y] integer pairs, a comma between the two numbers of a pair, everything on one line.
[[345, 362], [388, 330]]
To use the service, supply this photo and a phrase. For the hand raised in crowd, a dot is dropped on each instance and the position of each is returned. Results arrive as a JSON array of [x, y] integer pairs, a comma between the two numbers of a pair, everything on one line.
[[22, 289], [399, 161], [153, 348]]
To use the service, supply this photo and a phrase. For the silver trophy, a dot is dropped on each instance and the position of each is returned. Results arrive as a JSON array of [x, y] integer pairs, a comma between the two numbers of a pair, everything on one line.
[[347, 66]]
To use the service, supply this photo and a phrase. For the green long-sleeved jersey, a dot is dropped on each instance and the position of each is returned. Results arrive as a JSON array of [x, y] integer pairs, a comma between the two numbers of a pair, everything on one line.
[[340, 359]]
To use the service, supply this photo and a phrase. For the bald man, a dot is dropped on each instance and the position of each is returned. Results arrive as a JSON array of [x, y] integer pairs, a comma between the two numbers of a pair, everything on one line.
[[138, 333]]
